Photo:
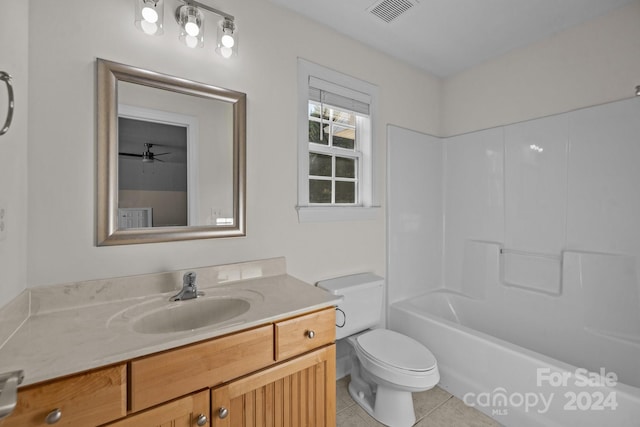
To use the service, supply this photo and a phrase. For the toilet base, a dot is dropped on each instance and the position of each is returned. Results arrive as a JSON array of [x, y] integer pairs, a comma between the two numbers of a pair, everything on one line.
[[391, 407], [389, 402]]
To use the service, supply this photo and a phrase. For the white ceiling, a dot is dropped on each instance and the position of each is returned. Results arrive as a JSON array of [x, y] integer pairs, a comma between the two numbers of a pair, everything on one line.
[[445, 37]]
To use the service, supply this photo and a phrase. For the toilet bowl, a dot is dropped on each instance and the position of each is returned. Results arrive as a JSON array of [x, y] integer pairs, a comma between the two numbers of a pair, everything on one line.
[[385, 366]]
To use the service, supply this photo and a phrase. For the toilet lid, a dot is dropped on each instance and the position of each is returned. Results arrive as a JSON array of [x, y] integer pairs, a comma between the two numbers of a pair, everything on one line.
[[396, 350]]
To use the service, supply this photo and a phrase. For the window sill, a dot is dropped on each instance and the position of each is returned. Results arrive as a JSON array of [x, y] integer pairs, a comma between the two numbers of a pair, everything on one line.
[[336, 213]]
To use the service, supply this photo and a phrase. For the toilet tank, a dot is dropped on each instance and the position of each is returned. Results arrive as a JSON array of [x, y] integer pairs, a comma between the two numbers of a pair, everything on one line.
[[361, 306]]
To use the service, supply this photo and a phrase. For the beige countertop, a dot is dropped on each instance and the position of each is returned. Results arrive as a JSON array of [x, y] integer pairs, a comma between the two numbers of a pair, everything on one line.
[[76, 327]]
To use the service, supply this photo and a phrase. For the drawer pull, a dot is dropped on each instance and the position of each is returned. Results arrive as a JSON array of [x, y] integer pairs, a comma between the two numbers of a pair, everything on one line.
[[202, 420], [223, 412], [54, 416], [311, 334]]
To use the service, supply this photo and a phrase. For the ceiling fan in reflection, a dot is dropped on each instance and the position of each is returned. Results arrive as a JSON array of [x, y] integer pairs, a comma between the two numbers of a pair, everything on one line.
[[147, 155]]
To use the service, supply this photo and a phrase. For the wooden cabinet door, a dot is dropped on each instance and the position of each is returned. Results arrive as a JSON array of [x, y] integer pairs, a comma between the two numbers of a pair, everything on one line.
[[183, 412], [297, 393]]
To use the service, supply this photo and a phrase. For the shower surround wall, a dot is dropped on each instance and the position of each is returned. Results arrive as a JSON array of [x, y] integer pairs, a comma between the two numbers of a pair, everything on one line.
[[540, 242], [542, 189], [542, 213], [414, 213]]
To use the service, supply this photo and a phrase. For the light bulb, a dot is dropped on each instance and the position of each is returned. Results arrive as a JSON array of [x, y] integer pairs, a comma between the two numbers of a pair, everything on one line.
[[191, 27], [149, 27], [149, 14], [191, 41], [227, 40], [226, 52]]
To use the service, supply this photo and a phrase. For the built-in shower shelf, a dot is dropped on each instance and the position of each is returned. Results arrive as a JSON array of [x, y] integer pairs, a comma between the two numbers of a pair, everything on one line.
[[556, 257], [539, 272]]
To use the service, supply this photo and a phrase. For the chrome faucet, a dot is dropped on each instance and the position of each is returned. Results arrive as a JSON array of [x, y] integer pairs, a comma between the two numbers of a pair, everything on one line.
[[189, 289]]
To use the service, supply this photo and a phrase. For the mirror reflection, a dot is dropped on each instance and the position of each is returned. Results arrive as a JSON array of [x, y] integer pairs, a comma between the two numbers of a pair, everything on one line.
[[152, 186], [174, 167], [170, 157]]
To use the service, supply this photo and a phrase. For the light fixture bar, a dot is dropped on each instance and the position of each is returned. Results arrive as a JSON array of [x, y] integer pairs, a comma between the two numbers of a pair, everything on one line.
[[210, 9]]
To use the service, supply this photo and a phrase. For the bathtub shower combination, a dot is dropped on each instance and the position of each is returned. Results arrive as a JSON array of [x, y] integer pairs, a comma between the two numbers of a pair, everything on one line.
[[523, 358], [532, 309]]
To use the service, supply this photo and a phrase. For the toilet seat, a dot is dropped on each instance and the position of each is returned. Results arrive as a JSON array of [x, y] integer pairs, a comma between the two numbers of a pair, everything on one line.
[[396, 352]]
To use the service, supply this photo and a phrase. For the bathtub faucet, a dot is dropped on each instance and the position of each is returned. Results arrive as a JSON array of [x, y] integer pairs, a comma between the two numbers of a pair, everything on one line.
[[189, 289]]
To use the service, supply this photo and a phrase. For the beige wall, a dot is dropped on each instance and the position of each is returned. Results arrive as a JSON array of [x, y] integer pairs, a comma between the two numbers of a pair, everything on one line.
[[14, 39], [169, 207], [64, 44], [593, 63]]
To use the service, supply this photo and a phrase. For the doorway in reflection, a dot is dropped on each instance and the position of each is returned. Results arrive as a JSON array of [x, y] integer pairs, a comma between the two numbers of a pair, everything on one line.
[[152, 174]]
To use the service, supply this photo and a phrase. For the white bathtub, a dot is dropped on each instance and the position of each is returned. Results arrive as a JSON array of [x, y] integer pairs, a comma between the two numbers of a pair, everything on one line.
[[485, 353]]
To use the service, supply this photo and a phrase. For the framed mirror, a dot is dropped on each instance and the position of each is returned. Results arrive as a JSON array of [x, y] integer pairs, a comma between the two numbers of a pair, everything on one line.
[[171, 158]]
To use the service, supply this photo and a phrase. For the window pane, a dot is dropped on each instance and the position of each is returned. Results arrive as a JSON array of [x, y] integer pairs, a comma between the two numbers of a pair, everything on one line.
[[345, 167], [314, 134], [345, 192], [319, 164], [319, 191], [344, 137], [314, 110], [344, 117]]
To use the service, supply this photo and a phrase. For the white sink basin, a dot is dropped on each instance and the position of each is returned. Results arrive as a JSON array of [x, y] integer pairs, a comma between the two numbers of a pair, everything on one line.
[[190, 314], [219, 308]]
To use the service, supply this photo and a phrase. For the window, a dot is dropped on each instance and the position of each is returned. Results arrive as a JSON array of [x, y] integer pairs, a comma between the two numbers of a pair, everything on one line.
[[333, 155], [335, 145]]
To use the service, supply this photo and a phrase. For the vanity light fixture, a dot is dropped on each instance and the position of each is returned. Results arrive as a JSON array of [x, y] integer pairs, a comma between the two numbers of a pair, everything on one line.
[[191, 20], [150, 16], [227, 38]]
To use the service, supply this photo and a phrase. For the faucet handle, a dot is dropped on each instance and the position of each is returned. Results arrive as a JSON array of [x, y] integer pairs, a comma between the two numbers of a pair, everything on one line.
[[189, 279]]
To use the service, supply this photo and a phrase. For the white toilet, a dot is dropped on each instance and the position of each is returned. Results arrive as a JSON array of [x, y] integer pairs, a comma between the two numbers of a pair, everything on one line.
[[386, 366]]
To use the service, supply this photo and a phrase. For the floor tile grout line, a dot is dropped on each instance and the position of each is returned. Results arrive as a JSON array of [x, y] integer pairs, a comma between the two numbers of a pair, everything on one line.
[[345, 408], [434, 409], [370, 421]]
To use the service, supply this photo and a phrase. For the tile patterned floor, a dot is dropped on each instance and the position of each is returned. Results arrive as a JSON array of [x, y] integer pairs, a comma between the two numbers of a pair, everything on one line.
[[434, 408]]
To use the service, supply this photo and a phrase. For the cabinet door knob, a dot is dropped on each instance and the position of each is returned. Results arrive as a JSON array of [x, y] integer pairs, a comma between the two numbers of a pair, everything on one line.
[[311, 334], [202, 420], [53, 416], [223, 412]]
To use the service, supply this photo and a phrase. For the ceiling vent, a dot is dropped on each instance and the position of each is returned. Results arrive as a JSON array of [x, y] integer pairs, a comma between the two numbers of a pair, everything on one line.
[[388, 10]]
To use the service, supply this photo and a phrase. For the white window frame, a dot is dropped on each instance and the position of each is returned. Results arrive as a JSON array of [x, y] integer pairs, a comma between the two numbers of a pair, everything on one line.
[[340, 83]]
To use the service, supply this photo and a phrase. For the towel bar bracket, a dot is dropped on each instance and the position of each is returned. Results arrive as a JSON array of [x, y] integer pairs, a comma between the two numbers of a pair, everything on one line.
[[9, 383]]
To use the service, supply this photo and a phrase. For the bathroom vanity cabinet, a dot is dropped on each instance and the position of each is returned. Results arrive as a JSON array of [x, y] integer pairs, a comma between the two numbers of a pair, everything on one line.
[[281, 373]]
